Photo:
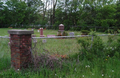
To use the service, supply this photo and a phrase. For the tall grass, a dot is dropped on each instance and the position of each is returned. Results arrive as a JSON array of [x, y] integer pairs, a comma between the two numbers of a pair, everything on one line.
[[4, 54], [57, 46], [71, 69], [109, 67]]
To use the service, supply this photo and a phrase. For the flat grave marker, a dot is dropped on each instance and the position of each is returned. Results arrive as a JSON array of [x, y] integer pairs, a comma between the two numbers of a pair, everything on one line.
[[51, 36]]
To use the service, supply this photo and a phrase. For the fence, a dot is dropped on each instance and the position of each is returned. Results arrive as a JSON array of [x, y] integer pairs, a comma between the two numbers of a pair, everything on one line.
[[70, 27], [55, 46], [62, 44]]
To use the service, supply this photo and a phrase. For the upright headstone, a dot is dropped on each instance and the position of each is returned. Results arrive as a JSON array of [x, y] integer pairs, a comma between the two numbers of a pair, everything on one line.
[[61, 30], [41, 32], [71, 33], [61, 27], [20, 44], [49, 36]]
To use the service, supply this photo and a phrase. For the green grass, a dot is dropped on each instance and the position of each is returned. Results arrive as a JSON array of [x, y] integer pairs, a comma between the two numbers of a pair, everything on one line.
[[3, 32], [98, 68], [58, 46]]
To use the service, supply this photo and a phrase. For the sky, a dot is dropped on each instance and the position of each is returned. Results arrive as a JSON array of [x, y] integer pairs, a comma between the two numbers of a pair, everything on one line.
[[4, 0]]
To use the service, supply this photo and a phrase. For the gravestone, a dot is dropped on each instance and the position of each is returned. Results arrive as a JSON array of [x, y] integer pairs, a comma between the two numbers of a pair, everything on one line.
[[50, 36], [71, 34], [61, 30], [61, 27], [41, 32]]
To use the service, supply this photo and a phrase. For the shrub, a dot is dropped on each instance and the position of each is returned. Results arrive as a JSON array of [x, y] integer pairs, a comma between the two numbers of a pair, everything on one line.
[[85, 32], [97, 47], [93, 33], [46, 60], [59, 33], [65, 34], [113, 47], [62, 34], [90, 50]]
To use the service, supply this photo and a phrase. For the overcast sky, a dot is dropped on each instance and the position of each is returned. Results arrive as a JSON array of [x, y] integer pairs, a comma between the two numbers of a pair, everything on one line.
[[4, 0]]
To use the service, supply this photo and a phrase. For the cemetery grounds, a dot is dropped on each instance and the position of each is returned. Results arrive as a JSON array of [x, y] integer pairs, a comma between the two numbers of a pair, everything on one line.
[[73, 57]]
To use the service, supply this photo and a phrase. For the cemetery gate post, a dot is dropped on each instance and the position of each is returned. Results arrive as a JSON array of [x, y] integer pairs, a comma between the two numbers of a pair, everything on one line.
[[20, 44]]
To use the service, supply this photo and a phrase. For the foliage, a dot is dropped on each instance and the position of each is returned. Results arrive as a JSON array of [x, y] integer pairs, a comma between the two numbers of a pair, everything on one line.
[[78, 67], [91, 50], [105, 16], [96, 48], [85, 32], [74, 14], [93, 33], [112, 49], [14, 9], [117, 14], [46, 60], [90, 13], [65, 33]]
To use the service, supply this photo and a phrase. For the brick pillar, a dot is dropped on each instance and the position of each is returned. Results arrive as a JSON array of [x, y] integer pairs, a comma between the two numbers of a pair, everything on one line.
[[41, 32], [20, 44]]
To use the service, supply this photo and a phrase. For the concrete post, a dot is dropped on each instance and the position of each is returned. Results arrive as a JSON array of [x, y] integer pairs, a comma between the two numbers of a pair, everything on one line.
[[20, 44]]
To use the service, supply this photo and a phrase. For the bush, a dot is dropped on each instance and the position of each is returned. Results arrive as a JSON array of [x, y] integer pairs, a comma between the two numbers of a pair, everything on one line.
[[90, 50], [65, 34], [62, 34], [47, 60], [113, 47], [95, 49], [85, 32]]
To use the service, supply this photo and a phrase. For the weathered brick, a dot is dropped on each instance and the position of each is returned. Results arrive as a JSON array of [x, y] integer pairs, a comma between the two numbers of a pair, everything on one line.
[[20, 49]]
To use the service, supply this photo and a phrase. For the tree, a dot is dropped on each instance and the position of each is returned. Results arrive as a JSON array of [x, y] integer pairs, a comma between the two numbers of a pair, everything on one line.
[[17, 10], [2, 16], [117, 17], [105, 16], [33, 10]]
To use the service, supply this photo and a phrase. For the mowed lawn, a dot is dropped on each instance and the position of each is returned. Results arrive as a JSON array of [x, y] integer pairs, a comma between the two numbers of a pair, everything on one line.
[[4, 31]]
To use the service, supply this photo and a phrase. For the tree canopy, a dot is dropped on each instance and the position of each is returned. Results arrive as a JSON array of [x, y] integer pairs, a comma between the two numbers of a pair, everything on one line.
[[72, 13]]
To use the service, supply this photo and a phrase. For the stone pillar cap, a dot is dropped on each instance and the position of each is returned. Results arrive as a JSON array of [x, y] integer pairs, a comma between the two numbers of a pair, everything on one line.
[[15, 31], [61, 25]]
